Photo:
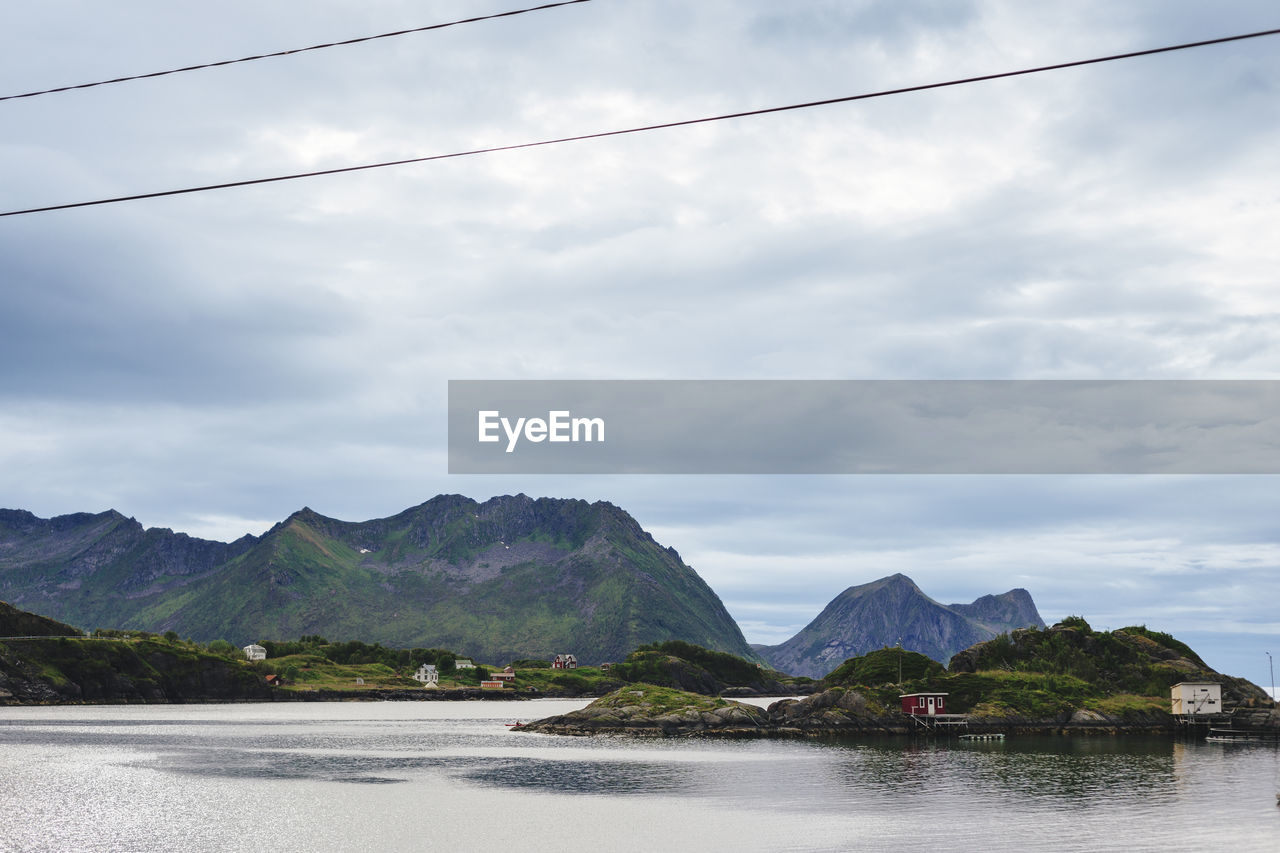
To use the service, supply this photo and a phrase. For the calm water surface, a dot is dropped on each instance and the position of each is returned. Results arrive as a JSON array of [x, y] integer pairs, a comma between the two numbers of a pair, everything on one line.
[[450, 776]]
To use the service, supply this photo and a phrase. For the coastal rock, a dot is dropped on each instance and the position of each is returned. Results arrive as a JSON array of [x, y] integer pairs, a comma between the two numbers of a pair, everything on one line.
[[661, 712], [1082, 716], [648, 711]]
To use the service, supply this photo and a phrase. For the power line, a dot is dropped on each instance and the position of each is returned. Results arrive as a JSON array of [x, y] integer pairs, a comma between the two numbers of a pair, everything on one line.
[[650, 127], [294, 51]]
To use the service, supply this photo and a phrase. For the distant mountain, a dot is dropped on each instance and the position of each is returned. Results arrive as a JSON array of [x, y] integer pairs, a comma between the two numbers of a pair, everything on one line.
[[509, 578], [893, 610]]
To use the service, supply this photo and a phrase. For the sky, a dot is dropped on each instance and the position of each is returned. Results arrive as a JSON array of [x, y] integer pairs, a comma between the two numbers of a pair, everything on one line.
[[212, 362]]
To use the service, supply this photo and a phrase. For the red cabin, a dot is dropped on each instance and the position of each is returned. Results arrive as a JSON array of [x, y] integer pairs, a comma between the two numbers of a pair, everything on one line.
[[924, 704]]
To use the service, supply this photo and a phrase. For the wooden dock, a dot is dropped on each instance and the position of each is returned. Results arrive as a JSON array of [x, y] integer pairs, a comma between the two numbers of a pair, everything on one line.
[[936, 722]]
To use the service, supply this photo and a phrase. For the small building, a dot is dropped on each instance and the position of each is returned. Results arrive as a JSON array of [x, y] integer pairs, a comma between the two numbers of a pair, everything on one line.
[[428, 675], [605, 667], [507, 674], [491, 684], [1193, 698], [463, 663], [273, 681], [253, 651], [564, 662], [924, 704]]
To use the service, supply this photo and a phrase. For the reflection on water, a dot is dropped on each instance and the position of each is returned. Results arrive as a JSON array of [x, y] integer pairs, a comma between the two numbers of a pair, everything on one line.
[[585, 777], [341, 775], [1030, 767]]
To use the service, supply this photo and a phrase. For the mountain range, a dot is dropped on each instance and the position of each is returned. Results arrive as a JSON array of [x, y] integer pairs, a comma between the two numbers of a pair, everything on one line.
[[509, 578], [894, 610]]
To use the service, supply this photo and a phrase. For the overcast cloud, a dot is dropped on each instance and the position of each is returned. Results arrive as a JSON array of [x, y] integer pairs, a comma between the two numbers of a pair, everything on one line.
[[212, 362]]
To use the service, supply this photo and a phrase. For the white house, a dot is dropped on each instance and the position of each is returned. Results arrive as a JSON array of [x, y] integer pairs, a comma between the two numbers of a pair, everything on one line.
[[463, 663], [253, 651], [1191, 698], [428, 675]]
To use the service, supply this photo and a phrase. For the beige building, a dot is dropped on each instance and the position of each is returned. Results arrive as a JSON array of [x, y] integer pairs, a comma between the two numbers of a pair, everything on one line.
[[1194, 698]]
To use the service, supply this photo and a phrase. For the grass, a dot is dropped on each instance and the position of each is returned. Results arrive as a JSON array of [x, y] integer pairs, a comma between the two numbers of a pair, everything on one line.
[[1126, 704], [148, 668], [659, 701], [315, 672]]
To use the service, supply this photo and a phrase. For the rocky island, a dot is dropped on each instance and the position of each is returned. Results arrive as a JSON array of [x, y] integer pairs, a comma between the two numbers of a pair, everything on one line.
[[1067, 679]]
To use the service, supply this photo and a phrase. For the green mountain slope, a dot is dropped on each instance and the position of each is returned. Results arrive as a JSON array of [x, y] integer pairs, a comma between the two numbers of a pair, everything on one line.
[[509, 578], [88, 569]]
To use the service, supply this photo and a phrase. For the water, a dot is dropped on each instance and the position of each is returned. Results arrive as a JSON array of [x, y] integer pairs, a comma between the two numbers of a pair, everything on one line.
[[451, 776]]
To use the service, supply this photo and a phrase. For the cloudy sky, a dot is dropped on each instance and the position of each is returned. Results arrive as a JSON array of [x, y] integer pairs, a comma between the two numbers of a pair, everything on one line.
[[212, 362]]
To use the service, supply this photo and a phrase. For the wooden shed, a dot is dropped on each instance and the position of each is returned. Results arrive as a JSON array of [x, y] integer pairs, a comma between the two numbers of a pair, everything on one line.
[[924, 704]]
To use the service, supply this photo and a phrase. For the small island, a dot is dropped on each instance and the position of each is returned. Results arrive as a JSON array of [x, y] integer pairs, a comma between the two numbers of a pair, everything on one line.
[[1067, 679]]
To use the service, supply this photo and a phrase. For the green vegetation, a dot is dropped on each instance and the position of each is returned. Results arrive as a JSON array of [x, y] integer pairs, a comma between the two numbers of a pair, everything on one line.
[[19, 623], [1126, 704], [224, 649], [728, 668], [658, 663], [693, 668], [1136, 661], [1022, 694], [1167, 641], [657, 701], [889, 665], [1045, 674], [355, 652], [313, 672], [142, 668], [314, 663]]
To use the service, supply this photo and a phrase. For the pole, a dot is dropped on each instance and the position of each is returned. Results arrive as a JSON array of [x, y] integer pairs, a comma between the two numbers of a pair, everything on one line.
[[1271, 664]]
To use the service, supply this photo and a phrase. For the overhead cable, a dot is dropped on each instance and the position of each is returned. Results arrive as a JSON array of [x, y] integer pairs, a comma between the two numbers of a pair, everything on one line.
[[650, 127], [294, 51]]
